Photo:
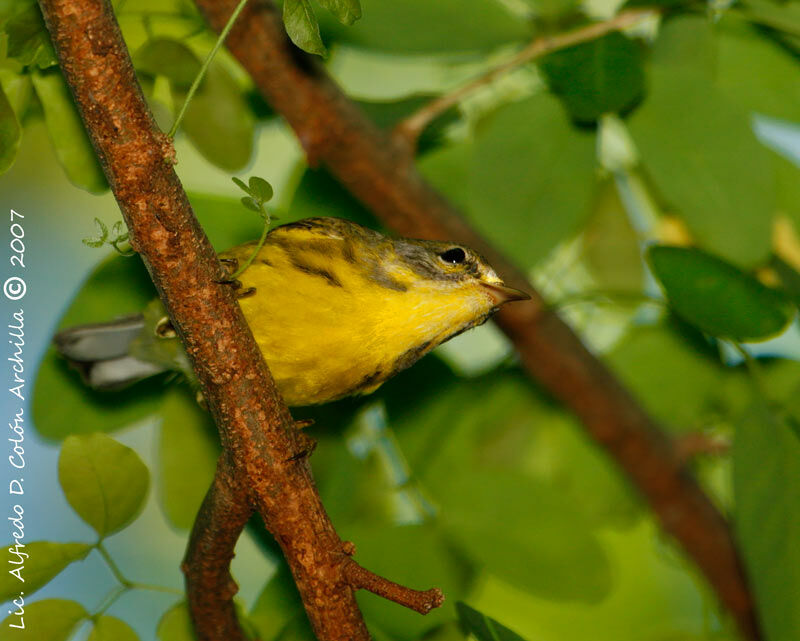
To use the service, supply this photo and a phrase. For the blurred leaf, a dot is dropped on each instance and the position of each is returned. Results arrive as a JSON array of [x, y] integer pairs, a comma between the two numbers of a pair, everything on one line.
[[104, 481], [47, 620], [596, 77], [611, 244], [417, 556], [693, 141], [108, 628], [523, 531], [62, 404], [218, 120], [45, 560], [318, 194], [421, 26], [169, 58], [346, 11], [10, 133], [70, 141], [757, 72], [302, 27], [674, 380], [175, 624], [766, 476], [718, 297], [532, 178], [483, 628], [686, 40], [188, 452], [277, 605], [783, 16], [28, 39], [787, 176]]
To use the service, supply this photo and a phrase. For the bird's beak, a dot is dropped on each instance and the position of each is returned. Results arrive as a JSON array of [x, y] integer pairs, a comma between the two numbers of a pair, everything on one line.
[[501, 294]]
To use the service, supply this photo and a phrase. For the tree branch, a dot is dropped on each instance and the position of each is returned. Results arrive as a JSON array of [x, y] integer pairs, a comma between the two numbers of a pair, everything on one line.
[[409, 130], [210, 588], [256, 429], [379, 172]]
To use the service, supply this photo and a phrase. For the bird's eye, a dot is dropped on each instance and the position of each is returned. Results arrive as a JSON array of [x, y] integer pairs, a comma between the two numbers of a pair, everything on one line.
[[454, 256]]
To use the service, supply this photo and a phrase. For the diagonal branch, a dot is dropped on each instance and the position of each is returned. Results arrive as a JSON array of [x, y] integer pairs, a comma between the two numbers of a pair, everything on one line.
[[379, 172], [256, 429], [410, 129]]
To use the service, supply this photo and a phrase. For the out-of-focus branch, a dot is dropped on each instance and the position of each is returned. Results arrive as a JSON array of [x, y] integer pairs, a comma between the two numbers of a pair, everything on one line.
[[210, 588], [409, 130], [256, 429], [379, 172]]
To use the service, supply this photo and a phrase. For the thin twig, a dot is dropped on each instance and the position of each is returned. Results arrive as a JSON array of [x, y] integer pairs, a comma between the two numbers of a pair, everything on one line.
[[379, 172], [410, 129], [422, 601], [204, 68]]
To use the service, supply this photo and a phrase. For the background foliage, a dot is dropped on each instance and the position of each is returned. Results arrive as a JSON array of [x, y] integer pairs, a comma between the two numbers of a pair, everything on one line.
[[460, 473]]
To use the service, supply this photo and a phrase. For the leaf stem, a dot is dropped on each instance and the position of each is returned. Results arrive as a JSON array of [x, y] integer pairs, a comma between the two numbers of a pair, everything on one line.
[[206, 63], [410, 129], [113, 566], [252, 257]]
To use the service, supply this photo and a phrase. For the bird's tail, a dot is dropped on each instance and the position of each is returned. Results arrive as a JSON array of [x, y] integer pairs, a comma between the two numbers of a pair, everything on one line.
[[104, 353]]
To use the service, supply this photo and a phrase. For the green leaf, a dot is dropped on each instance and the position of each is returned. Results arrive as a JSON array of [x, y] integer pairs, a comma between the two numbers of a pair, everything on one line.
[[221, 219], [782, 16], [675, 379], [240, 184], [250, 204], [108, 628], [597, 77], [70, 141], [218, 120], [692, 141], [756, 72], [47, 620], [188, 451], [483, 628], [611, 244], [544, 546], [346, 11], [531, 179], [45, 560], [422, 26], [302, 27], [717, 297], [10, 133], [766, 478], [260, 189], [169, 58], [104, 481], [28, 39], [117, 287], [175, 624], [686, 40]]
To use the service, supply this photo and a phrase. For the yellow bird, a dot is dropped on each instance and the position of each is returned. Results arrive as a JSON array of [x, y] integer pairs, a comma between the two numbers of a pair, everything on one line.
[[335, 307]]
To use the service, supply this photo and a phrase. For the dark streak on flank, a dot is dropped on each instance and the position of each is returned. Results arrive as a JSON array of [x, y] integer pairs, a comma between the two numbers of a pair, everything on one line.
[[370, 380], [315, 271], [409, 357], [266, 262]]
